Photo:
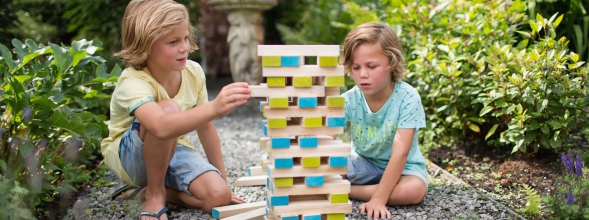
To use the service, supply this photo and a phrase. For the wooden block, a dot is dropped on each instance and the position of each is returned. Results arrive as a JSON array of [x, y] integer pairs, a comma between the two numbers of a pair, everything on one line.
[[308, 142], [274, 123], [335, 121], [312, 217], [295, 111], [264, 141], [329, 187], [298, 170], [231, 210], [335, 101], [271, 61], [283, 182], [252, 180], [279, 200], [332, 91], [303, 70], [312, 207], [302, 81], [298, 50], [338, 161], [336, 216], [256, 214], [255, 171], [307, 102], [292, 130], [276, 81], [313, 181], [290, 217], [280, 142], [312, 122], [327, 61], [338, 198], [291, 61], [311, 161], [278, 102], [283, 163], [328, 149], [288, 91], [334, 81]]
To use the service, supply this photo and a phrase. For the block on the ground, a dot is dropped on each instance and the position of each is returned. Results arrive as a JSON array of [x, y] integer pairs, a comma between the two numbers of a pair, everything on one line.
[[276, 81], [276, 122], [338, 161], [302, 81], [335, 101], [313, 181], [294, 61], [334, 81], [311, 161], [327, 61], [312, 122], [307, 102], [278, 102], [231, 210], [271, 61], [251, 180]]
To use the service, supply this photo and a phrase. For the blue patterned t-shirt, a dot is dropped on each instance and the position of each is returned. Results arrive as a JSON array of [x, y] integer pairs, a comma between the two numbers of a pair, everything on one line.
[[373, 133]]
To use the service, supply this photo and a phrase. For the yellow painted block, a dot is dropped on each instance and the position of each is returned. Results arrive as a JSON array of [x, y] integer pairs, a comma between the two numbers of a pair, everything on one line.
[[271, 61], [276, 81], [336, 216], [334, 81], [312, 122], [328, 61], [276, 122], [283, 182], [264, 111], [338, 198], [278, 102], [335, 101], [302, 81], [311, 161]]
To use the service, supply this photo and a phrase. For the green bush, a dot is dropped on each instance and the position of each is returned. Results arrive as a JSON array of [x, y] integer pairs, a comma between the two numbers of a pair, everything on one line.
[[49, 134]]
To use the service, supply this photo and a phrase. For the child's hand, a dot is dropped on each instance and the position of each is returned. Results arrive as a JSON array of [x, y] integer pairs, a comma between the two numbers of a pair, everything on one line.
[[236, 199], [375, 208], [231, 96]]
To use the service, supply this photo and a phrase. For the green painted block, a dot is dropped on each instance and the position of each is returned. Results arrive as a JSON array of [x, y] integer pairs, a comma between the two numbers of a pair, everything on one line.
[[276, 81], [283, 182], [276, 122], [278, 102], [335, 101], [302, 81], [334, 81], [271, 61], [312, 122], [338, 198], [328, 61], [336, 216], [311, 161]]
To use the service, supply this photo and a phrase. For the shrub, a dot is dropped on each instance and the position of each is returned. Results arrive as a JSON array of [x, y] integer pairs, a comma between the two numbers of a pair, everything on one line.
[[49, 135]]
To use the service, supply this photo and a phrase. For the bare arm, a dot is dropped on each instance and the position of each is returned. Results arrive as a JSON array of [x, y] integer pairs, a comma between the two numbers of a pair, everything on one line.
[[209, 139]]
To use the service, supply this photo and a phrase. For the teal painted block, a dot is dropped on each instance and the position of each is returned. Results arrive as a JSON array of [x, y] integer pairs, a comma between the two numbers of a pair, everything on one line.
[[249, 172], [279, 200], [264, 128], [291, 217], [290, 61], [280, 142], [215, 213], [336, 122], [314, 181], [307, 102], [268, 182], [283, 163], [338, 161], [268, 171], [308, 142], [312, 217]]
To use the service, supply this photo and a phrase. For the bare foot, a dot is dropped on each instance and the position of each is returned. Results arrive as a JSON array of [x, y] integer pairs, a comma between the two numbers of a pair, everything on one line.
[[154, 204], [127, 194]]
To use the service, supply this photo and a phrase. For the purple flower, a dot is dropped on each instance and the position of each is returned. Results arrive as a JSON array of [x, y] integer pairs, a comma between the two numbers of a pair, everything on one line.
[[26, 114], [570, 197], [568, 162], [579, 165]]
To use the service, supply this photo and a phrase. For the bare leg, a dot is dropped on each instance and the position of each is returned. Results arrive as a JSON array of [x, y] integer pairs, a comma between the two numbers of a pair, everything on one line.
[[409, 190], [157, 154]]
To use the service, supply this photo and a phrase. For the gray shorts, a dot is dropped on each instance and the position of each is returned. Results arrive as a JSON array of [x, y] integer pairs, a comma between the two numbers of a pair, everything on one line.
[[186, 164], [363, 172]]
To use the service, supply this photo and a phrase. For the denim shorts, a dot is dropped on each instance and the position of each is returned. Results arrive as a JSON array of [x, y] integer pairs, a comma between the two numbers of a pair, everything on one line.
[[363, 172], [186, 164]]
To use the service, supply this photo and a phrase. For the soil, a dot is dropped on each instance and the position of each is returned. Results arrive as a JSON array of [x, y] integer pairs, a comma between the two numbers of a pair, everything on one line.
[[500, 174]]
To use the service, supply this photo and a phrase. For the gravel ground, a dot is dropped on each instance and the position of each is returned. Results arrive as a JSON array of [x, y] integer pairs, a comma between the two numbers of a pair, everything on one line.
[[447, 198]]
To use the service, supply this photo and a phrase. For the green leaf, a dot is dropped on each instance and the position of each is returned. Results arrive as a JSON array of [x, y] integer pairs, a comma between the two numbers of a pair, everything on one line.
[[22, 78], [491, 131], [485, 110], [93, 131], [501, 103], [61, 58], [543, 105], [534, 26], [555, 125], [19, 48], [525, 34], [3, 165], [116, 71], [78, 55], [56, 96], [557, 22], [7, 57], [474, 128]]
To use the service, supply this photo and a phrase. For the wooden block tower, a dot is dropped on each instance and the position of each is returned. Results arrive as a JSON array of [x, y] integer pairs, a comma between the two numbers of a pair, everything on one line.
[[303, 109]]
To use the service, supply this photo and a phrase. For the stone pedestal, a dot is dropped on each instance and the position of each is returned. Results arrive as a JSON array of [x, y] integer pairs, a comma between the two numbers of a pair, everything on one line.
[[244, 36]]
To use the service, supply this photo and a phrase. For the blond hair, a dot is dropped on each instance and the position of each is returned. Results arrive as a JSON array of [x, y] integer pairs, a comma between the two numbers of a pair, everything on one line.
[[382, 35], [146, 21]]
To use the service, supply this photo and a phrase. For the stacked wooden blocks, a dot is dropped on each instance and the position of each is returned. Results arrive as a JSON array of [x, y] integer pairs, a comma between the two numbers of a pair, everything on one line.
[[303, 110]]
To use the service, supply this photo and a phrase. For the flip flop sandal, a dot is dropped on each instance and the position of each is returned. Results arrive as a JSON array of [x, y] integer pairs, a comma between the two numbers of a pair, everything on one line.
[[156, 215], [121, 191]]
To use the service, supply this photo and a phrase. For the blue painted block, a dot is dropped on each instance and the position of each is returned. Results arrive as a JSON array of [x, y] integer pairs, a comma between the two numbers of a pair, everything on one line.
[[290, 217], [249, 172], [314, 180], [215, 213], [268, 170], [283, 163], [279, 200], [336, 121], [312, 217], [266, 209], [268, 182], [261, 107], [308, 142], [290, 61], [264, 128], [338, 161], [307, 102], [280, 142]]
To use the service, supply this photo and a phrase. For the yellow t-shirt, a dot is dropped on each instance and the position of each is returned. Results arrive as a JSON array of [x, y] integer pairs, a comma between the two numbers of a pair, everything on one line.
[[137, 87]]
